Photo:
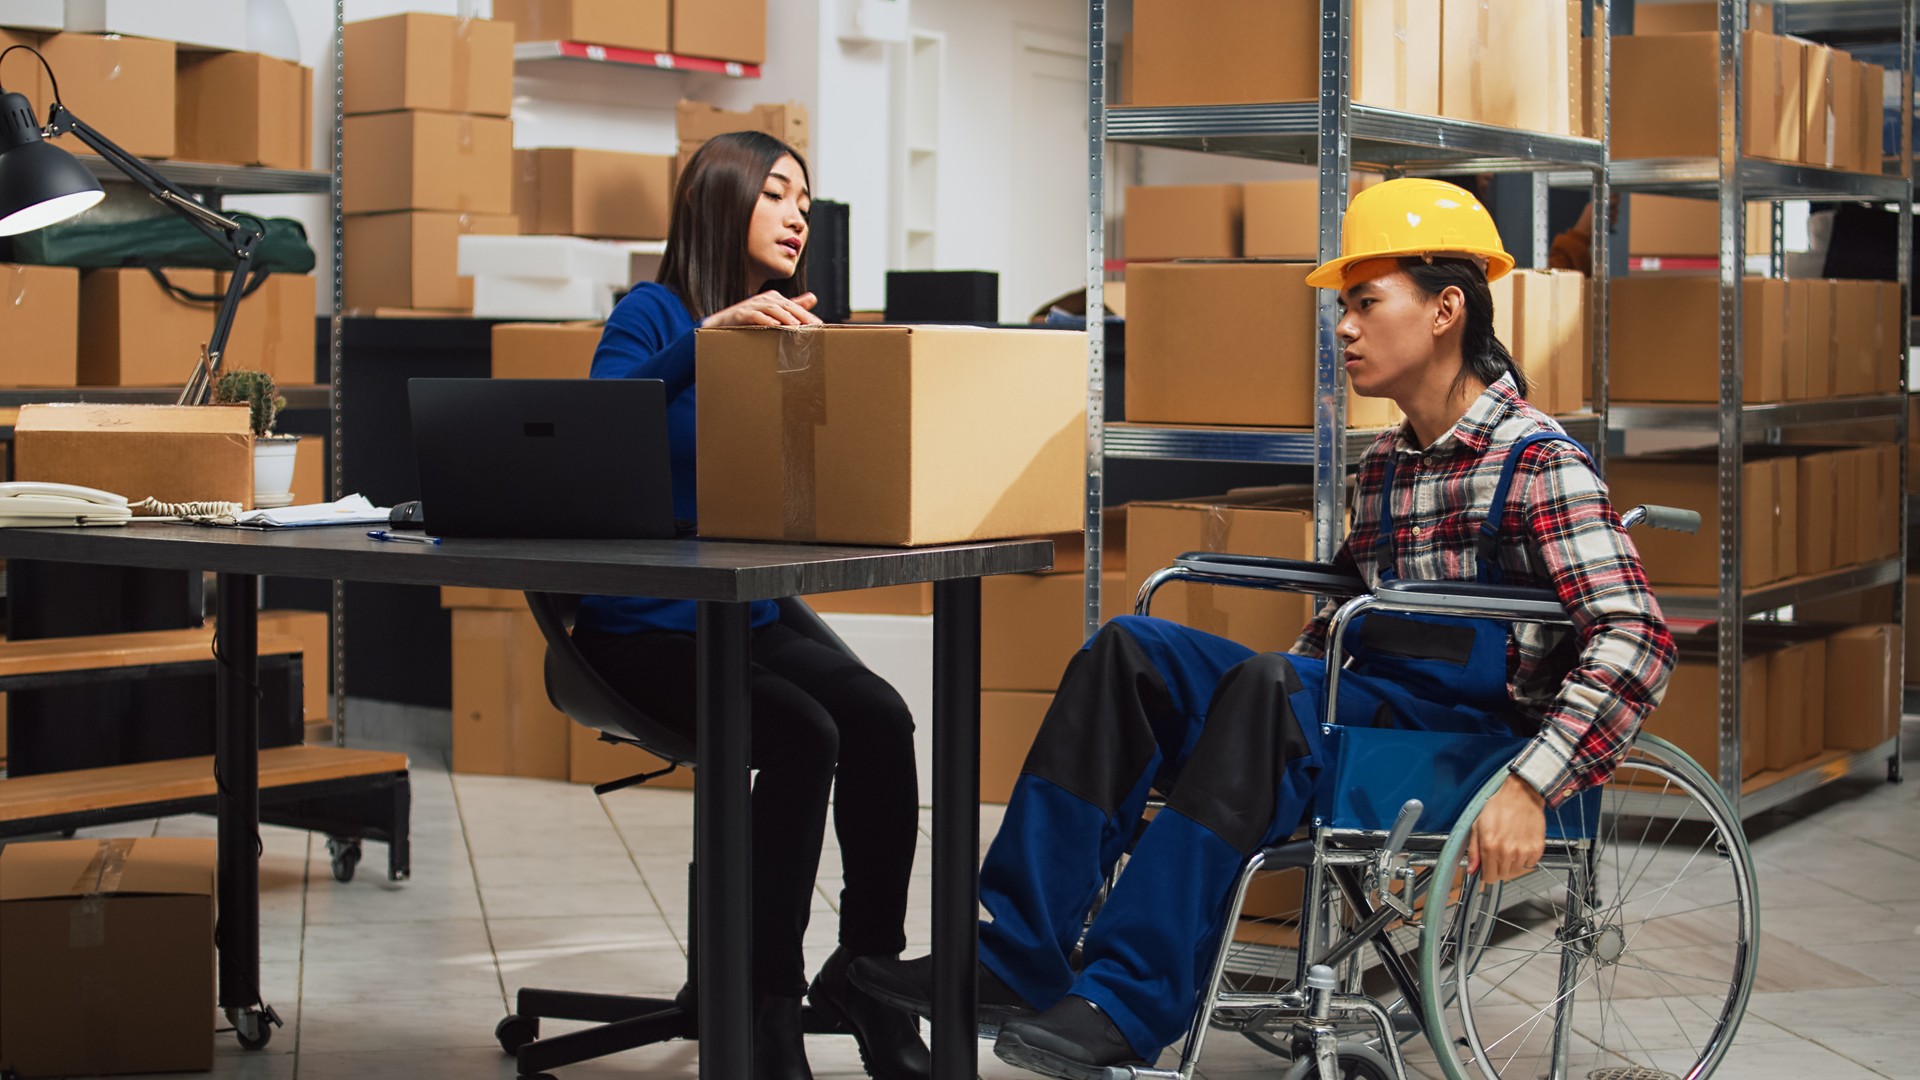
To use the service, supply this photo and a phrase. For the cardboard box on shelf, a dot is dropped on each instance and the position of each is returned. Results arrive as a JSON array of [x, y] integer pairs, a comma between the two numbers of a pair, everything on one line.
[[429, 161], [1192, 356], [1817, 328], [1511, 63], [1816, 104], [1844, 122], [1863, 686], [134, 333], [1887, 359], [274, 329], [121, 86], [1009, 720], [1032, 624], [40, 322], [1690, 480], [1913, 445], [879, 434], [1796, 377], [210, 24], [1275, 522], [1912, 642], [1698, 17], [124, 925], [623, 24], [244, 109], [1786, 517], [1396, 56], [438, 62], [409, 260], [1666, 96], [1183, 221], [503, 724], [1797, 711], [1878, 520], [914, 599], [1868, 151], [1665, 226], [310, 469], [459, 597], [313, 629], [1541, 316], [1689, 716], [573, 192], [174, 453], [722, 30], [593, 760], [1242, 51], [1816, 483], [695, 122], [544, 350], [1665, 338], [1070, 548], [1281, 219]]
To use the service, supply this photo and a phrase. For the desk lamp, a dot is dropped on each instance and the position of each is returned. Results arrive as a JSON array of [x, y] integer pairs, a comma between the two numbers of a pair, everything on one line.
[[41, 184]]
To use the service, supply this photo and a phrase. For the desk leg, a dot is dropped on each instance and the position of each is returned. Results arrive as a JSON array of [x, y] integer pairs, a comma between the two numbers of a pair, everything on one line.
[[236, 767], [723, 842], [956, 826]]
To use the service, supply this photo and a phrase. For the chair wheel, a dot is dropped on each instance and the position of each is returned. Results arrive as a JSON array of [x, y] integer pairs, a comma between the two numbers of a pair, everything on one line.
[[515, 1031], [254, 1042], [346, 856], [1357, 1062]]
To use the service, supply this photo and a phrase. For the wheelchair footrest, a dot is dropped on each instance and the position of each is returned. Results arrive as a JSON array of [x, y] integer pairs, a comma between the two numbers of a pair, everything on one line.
[[1140, 1072]]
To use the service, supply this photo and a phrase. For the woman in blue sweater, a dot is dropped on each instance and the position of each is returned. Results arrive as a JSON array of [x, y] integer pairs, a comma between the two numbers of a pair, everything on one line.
[[736, 256]]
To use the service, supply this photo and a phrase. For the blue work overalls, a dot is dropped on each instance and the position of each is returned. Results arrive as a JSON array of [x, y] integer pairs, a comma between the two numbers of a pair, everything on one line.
[[1233, 738]]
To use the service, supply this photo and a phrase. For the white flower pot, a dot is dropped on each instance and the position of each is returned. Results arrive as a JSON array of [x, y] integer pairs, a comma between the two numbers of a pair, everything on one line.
[[273, 457]]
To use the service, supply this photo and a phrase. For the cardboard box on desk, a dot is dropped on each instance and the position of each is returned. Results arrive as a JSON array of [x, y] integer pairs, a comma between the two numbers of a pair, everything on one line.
[[890, 434], [410, 260], [1032, 624], [1009, 720], [244, 109], [437, 62], [571, 192], [1863, 686], [174, 453], [1183, 221], [1692, 482], [274, 329], [121, 86], [106, 927], [134, 333], [1276, 522], [1665, 338], [1666, 95], [722, 30], [696, 121], [623, 24], [544, 350], [40, 322], [429, 161], [1511, 63]]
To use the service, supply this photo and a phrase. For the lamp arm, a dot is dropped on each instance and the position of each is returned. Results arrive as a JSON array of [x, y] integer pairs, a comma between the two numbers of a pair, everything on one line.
[[220, 228]]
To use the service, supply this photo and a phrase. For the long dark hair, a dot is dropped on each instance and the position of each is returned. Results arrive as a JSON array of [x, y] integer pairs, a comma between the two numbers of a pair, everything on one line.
[[1485, 358], [706, 259]]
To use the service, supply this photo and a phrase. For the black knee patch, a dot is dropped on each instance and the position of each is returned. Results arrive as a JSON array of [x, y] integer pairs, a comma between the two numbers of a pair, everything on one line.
[[1231, 779], [1097, 737]]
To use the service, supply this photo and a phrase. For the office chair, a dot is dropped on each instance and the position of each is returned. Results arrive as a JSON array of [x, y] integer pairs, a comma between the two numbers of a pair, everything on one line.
[[624, 1022]]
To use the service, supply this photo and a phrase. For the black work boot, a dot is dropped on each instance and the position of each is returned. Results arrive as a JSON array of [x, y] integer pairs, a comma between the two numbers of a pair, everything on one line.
[[889, 1039], [779, 1051], [908, 985], [1074, 1040]]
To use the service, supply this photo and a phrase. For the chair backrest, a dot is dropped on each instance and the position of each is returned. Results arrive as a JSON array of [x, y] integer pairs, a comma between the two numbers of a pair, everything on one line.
[[575, 688]]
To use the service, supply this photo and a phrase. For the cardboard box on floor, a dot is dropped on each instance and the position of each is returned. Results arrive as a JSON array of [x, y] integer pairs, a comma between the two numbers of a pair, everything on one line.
[[123, 87], [1274, 522], [695, 122], [1665, 338], [600, 193], [429, 161], [1863, 686], [437, 62], [1512, 63], [1689, 716], [174, 453], [1183, 221], [274, 329], [623, 24], [503, 724], [1009, 720], [544, 350], [313, 629], [107, 927], [1032, 624], [244, 109], [722, 30], [40, 322], [134, 333], [1666, 96], [1691, 481], [874, 434], [409, 260]]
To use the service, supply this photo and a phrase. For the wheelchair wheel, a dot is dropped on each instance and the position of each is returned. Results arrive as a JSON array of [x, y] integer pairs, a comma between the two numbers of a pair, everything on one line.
[[1631, 954]]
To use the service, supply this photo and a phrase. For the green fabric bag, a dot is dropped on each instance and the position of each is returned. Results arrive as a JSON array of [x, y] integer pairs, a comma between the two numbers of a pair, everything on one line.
[[167, 240]]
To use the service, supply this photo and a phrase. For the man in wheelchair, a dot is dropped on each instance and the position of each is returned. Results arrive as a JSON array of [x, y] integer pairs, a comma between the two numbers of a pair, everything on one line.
[[1476, 486]]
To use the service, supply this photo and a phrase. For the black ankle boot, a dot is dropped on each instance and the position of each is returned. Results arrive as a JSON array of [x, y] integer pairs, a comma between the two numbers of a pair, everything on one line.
[[779, 1052], [889, 1040]]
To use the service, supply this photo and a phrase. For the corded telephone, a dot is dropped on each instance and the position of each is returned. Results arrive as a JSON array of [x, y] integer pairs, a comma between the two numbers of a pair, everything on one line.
[[43, 505]]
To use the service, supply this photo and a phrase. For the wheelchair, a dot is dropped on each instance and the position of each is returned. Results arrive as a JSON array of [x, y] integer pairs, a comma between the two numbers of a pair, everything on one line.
[[1627, 954]]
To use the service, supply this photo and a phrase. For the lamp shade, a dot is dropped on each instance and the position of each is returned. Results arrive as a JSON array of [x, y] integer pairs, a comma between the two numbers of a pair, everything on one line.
[[39, 182]]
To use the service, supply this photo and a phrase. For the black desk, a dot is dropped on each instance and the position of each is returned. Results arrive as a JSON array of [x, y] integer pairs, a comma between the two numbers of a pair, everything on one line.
[[725, 577]]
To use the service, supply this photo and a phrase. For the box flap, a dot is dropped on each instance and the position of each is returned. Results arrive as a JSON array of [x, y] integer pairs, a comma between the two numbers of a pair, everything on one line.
[[147, 866], [79, 416]]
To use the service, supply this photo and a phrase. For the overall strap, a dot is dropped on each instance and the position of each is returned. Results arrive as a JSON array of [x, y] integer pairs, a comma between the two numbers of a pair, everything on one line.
[[1489, 573], [1389, 569]]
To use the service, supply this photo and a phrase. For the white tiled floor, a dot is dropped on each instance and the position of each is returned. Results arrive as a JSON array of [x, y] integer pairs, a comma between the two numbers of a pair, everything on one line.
[[537, 883]]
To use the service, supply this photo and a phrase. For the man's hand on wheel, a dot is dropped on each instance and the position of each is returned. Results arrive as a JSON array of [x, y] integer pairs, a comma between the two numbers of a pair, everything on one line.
[[1511, 833]]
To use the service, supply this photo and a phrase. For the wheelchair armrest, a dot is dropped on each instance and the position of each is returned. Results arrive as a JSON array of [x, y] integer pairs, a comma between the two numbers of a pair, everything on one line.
[[1518, 603], [1299, 575]]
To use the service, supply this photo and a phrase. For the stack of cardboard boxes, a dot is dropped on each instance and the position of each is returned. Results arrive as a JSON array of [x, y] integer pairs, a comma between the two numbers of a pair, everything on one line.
[[695, 122], [427, 98], [732, 30]]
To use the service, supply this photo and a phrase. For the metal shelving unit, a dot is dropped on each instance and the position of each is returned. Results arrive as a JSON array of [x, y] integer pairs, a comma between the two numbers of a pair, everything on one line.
[[1705, 604], [298, 397], [220, 180], [576, 52], [1269, 446]]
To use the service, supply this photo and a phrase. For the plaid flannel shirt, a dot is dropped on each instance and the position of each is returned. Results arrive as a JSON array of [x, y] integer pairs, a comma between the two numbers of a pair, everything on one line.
[[1588, 688]]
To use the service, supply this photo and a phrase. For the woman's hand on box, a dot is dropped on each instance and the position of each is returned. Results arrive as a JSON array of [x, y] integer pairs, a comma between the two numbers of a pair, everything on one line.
[[770, 308]]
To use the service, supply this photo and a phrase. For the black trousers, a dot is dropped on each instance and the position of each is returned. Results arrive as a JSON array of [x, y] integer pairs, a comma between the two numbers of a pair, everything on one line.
[[820, 720]]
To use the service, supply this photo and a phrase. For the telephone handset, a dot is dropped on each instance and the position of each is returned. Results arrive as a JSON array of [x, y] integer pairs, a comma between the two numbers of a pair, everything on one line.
[[26, 503]]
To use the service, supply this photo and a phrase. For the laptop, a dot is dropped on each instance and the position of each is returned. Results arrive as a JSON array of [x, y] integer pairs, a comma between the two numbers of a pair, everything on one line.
[[576, 459]]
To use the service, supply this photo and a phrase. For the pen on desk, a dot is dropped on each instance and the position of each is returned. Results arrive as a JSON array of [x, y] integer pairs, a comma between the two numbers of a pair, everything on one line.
[[382, 534]]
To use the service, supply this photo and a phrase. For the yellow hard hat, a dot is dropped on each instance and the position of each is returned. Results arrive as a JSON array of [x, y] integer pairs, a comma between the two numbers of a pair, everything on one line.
[[1411, 216]]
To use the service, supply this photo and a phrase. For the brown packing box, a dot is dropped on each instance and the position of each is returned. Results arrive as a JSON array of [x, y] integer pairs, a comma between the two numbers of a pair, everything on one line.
[[1873, 102], [1797, 705], [1786, 518], [1885, 340], [1796, 379], [1032, 624], [1275, 522], [601, 193], [1689, 715], [1817, 482], [1511, 63], [623, 24], [1241, 51], [1690, 481], [24, 79], [1666, 96], [316, 656], [1666, 226], [456, 597], [503, 724], [174, 453], [1282, 219], [274, 329], [1193, 356], [429, 161], [409, 260], [1541, 316], [123, 87], [1816, 319], [40, 322], [1844, 121], [592, 760], [916, 599], [311, 466], [437, 62], [1913, 442], [1817, 133], [1183, 221], [1863, 686], [544, 350], [244, 109], [1912, 649], [133, 333], [107, 927], [721, 30], [1878, 528], [1665, 338], [1008, 722], [1396, 55], [695, 122], [890, 434], [1849, 547], [1692, 17]]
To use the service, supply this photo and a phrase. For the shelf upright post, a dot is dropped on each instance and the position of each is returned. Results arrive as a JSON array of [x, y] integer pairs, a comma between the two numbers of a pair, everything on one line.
[[1733, 223], [1600, 255], [1330, 397], [1904, 268], [1096, 301], [336, 468]]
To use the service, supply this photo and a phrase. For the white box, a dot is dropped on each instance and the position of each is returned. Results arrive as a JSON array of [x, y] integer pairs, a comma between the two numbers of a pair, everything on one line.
[[44, 15], [208, 24], [497, 296], [567, 258]]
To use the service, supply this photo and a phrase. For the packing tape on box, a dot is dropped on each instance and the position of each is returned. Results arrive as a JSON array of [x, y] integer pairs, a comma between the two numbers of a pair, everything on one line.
[[1203, 610], [1402, 82], [17, 285], [1482, 32], [463, 57], [87, 929], [803, 408]]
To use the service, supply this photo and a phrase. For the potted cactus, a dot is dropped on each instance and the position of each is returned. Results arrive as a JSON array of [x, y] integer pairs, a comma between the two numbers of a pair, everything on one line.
[[273, 455]]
